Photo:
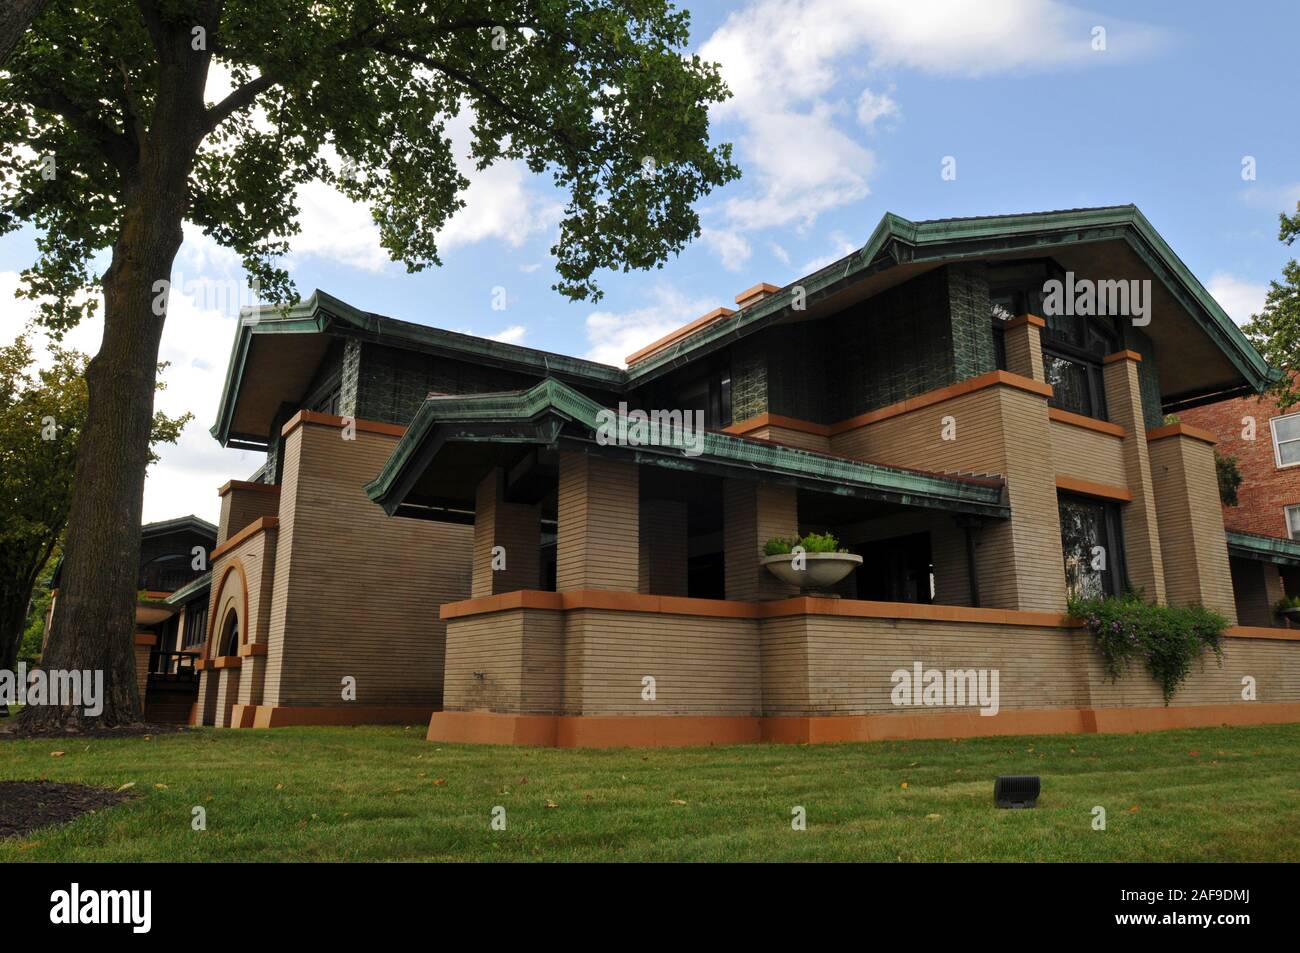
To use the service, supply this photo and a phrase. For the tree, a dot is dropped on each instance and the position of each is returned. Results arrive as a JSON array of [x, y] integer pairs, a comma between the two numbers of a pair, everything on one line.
[[1275, 331], [1229, 478], [106, 140], [42, 413], [14, 20]]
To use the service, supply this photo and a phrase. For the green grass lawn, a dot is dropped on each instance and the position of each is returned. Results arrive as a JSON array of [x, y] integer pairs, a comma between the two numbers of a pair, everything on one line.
[[387, 794]]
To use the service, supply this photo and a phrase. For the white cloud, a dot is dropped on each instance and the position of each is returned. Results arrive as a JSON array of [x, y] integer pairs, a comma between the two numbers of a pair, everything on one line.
[[787, 63], [1238, 297], [196, 341], [512, 335], [613, 335], [873, 106], [336, 229], [841, 245], [730, 247]]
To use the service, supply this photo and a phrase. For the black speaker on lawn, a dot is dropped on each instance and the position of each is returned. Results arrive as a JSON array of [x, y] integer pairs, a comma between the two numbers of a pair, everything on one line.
[[1016, 790]]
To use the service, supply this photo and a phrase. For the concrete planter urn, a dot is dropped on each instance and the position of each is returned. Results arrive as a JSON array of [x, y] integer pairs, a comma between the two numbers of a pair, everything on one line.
[[820, 570], [1292, 615]]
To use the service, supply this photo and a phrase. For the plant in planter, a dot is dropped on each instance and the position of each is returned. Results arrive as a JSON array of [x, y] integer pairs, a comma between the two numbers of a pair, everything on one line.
[[1168, 639], [813, 562], [1288, 608]]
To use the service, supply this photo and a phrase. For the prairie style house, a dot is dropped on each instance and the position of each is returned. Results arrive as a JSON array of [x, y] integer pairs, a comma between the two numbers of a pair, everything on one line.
[[439, 533]]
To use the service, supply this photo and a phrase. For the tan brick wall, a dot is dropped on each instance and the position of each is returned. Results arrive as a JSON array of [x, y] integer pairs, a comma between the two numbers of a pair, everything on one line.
[[227, 694], [1087, 455], [664, 558], [598, 531], [703, 666], [241, 506], [1024, 348], [793, 438], [999, 429], [517, 528], [356, 592], [752, 513], [252, 561], [1144, 558], [1192, 539], [593, 661]]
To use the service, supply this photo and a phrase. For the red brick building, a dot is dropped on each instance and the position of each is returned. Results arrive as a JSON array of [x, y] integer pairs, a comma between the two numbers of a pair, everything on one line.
[[1266, 444]]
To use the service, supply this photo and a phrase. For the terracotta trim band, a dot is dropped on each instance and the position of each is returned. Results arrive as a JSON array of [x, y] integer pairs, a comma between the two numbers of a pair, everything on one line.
[[736, 609], [252, 649], [1088, 488], [1182, 430], [1261, 632], [1020, 320], [258, 525], [1122, 356], [928, 399], [777, 420], [245, 485], [146, 638], [1086, 423], [674, 336], [224, 661], [280, 716], [619, 731], [330, 420]]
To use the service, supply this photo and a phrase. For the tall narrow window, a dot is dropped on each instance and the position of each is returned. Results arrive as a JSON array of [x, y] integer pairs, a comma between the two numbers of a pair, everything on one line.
[[1092, 546]]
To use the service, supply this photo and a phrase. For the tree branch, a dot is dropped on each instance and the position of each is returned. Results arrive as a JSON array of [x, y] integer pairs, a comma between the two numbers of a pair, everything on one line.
[[15, 17], [115, 147]]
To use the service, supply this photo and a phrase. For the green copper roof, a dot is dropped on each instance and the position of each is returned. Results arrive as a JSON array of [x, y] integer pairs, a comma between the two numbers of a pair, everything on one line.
[[1269, 549], [538, 415], [190, 590], [897, 240], [323, 312]]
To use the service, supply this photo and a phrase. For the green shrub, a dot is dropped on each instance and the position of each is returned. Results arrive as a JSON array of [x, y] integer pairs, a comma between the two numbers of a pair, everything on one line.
[[1290, 602], [811, 543], [1229, 478], [1168, 639]]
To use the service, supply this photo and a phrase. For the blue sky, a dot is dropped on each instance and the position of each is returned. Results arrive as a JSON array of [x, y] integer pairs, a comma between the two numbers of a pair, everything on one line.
[[844, 109]]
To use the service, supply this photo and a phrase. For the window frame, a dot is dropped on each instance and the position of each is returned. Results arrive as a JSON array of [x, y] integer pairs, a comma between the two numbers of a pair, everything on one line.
[[1286, 516], [1113, 527], [1277, 445]]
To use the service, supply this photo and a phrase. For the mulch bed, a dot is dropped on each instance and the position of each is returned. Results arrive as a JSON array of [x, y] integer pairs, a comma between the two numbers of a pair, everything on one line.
[[9, 729], [28, 805]]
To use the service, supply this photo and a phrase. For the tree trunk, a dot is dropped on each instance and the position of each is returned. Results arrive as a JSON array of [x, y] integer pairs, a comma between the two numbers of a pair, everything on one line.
[[15, 18], [94, 621]]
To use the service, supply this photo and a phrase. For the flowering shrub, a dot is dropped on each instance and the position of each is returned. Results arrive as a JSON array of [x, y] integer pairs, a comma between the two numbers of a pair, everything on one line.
[[1168, 639]]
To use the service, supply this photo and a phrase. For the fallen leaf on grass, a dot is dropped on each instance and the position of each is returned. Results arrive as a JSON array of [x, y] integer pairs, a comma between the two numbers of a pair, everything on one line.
[[57, 754], [551, 804], [160, 787], [933, 817], [127, 786], [903, 785], [676, 801], [440, 781], [1133, 809]]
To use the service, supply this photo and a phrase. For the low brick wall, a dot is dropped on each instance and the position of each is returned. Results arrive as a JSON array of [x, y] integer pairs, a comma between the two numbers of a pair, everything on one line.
[[831, 662]]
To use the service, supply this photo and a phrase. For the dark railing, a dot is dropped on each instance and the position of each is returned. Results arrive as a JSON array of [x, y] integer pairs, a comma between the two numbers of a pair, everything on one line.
[[175, 667]]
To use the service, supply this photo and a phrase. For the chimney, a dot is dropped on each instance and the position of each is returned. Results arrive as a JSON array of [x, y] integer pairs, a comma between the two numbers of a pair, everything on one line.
[[755, 294]]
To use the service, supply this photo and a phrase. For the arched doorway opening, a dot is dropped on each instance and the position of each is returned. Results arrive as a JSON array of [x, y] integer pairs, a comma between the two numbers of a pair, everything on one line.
[[228, 644]]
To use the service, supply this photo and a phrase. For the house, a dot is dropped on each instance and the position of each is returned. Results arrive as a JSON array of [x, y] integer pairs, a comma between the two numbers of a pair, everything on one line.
[[519, 546], [170, 615], [1264, 526]]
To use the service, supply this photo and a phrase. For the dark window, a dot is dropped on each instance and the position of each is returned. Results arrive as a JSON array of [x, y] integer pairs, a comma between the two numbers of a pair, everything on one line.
[[896, 570], [196, 624], [1073, 348], [1092, 545]]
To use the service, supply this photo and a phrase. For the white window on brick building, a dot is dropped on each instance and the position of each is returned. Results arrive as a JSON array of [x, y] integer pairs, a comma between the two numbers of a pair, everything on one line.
[[1286, 439], [1293, 521]]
